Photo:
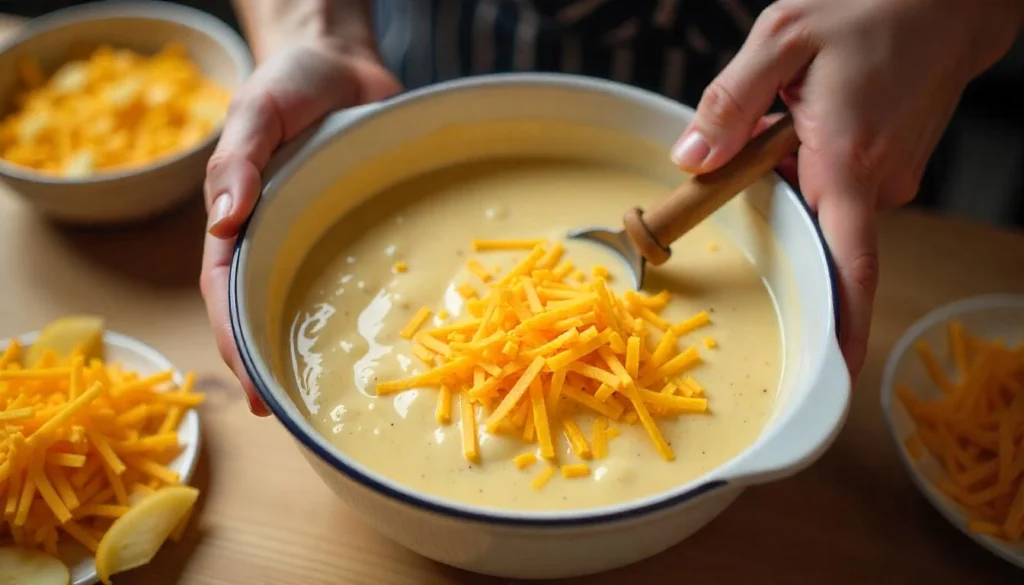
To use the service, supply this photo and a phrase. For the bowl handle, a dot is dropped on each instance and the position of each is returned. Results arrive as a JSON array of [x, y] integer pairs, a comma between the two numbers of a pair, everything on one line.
[[312, 138], [806, 432]]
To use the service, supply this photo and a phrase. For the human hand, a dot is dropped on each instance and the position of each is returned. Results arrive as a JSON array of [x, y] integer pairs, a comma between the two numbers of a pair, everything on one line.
[[291, 90], [871, 85]]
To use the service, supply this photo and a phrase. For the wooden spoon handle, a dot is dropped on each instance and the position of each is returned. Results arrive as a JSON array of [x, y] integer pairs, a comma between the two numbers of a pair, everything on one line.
[[692, 202]]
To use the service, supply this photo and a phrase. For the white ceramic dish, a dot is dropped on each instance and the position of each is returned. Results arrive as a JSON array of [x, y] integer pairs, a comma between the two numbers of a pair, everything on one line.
[[114, 197], [133, 355], [989, 317], [298, 205]]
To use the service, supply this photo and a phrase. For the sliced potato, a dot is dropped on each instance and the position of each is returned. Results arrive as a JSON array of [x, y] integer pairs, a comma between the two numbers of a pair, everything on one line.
[[22, 566], [134, 538], [67, 334]]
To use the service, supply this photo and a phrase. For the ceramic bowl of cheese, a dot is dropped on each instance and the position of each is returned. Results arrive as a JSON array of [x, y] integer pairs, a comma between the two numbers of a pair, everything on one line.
[[133, 355], [490, 393], [943, 350], [109, 111]]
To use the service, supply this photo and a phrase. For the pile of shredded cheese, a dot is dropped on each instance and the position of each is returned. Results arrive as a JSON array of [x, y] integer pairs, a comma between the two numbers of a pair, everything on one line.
[[975, 430], [543, 343], [77, 441], [114, 109]]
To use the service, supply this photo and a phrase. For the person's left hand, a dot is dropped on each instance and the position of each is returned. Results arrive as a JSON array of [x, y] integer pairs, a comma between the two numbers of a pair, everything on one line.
[[296, 86], [871, 85]]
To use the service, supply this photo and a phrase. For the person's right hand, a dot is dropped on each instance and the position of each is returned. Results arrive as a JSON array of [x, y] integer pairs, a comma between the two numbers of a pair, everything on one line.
[[288, 92]]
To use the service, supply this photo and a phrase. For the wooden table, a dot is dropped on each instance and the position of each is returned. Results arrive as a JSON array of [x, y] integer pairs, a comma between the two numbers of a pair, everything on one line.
[[852, 518], [266, 518]]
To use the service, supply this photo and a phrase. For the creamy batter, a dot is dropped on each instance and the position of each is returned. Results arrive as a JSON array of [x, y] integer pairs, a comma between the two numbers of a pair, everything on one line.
[[348, 305]]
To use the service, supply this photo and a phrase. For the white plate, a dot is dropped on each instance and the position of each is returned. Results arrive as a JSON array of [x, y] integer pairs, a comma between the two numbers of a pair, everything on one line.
[[134, 355], [989, 317]]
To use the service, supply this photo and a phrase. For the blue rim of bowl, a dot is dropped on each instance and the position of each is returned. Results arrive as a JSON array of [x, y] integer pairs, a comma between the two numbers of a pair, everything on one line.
[[187, 16], [408, 497]]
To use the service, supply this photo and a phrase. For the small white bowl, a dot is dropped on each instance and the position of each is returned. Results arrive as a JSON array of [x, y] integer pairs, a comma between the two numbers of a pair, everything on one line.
[[146, 191], [133, 355], [989, 317]]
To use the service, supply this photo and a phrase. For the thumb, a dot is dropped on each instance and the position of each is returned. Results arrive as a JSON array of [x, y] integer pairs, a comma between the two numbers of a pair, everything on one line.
[[377, 82], [251, 133], [771, 58]]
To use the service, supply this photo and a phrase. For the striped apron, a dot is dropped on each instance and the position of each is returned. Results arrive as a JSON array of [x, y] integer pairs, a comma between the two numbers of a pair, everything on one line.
[[672, 47]]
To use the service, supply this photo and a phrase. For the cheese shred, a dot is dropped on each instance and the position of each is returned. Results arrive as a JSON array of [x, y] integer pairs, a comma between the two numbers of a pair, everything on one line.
[[486, 245], [541, 479], [415, 323], [525, 460], [575, 471]]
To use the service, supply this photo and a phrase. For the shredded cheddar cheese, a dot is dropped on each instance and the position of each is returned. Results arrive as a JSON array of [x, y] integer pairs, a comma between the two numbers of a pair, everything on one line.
[[478, 270], [415, 323], [77, 440], [539, 348], [484, 245], [541, 479], [466, 291], [525, 460], [699, 320], [600, 442], [113, 109], [576, 470], [975, 429]]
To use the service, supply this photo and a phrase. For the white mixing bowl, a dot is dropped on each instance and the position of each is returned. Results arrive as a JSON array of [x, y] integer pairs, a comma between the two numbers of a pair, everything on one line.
[[298, 205]]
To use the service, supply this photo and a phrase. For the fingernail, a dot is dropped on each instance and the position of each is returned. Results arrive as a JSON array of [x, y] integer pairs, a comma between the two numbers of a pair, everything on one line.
[[691, 151], [220, 210], [252, 397], [256, 406], [250, 401]]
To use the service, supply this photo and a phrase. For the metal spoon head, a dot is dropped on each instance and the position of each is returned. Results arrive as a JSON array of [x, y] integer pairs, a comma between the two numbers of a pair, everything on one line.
[[620, 243]]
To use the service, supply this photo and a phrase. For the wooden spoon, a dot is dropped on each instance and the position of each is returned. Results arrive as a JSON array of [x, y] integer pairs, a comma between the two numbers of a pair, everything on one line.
[[648, 235]]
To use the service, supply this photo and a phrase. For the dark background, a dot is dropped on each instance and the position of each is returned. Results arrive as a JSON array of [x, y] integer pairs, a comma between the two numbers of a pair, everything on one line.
[[976, 171]]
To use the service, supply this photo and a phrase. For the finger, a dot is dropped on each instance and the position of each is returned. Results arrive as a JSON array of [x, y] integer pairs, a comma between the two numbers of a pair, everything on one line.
[[776, 51], [787, 167], [846, 213], [765, 122], [213, 283], [252, 132]]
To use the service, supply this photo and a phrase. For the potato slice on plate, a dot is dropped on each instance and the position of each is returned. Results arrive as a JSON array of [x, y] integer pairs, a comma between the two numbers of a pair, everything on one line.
[[65, 335], [20, 566], [134, 538]]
